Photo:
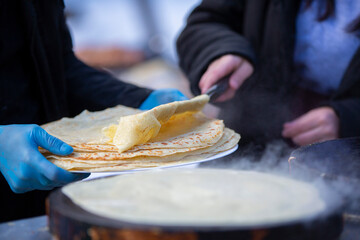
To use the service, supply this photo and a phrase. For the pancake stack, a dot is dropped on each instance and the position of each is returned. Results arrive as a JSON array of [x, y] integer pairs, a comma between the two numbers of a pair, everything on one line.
[[123, 138]]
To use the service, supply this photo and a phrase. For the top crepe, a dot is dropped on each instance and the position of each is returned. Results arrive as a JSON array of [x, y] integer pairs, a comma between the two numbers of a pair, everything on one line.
[[140, 128]]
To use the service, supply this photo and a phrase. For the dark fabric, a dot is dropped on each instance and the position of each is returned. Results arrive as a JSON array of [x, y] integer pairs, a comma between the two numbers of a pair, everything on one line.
[[41, 80], [262, 31]]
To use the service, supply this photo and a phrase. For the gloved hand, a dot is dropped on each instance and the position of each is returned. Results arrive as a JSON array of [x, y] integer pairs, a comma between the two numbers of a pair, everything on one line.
[[162, 96], [24, 167]]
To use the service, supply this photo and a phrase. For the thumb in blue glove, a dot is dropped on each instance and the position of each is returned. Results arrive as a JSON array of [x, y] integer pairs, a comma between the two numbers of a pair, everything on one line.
[[24, 167], [162, 96]]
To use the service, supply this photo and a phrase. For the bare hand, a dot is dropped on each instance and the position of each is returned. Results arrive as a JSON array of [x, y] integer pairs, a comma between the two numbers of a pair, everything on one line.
[[240, 68], [317, 125]]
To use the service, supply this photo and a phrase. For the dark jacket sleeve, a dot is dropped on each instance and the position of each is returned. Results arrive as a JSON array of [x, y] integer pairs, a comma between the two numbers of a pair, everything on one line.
[[94, 90], [348, 111], [213, 29]]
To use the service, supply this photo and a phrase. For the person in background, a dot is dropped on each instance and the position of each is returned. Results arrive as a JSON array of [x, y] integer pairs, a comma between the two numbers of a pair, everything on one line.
[[294, 66], [42, 81]]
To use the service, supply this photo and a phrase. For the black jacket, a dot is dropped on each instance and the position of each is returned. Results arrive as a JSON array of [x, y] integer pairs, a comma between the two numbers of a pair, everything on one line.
[[41, 80], [264, 33]]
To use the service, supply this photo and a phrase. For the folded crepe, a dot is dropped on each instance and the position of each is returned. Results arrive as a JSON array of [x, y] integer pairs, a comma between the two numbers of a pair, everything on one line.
[[140, 128], [122, 138]]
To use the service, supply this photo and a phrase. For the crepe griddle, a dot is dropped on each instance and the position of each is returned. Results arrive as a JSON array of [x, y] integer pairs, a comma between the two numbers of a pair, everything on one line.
[[338, 158], [69, 221], [337, 162]]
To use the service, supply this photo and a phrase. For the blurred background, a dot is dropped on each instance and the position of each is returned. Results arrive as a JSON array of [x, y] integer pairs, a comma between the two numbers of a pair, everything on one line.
[[138, 25], [133, 39]]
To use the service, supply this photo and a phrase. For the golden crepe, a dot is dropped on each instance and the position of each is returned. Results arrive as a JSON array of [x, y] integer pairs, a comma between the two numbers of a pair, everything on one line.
[[140, 128], [176, 132], [200, 197], [228, 141]]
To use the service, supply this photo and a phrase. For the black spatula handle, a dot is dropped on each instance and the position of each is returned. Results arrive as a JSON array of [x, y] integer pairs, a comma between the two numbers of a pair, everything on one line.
[[219, 88]]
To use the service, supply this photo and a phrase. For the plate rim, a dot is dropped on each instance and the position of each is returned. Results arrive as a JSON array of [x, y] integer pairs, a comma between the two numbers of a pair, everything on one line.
[[216, 156]]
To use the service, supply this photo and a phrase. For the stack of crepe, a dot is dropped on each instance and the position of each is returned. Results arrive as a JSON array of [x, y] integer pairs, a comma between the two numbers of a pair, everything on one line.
[[123, 138]]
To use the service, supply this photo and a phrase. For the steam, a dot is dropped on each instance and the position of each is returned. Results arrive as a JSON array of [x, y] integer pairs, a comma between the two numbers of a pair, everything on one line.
[[274, 160]]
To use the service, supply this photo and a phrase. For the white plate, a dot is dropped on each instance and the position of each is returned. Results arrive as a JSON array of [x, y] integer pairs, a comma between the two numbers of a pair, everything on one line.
[[182, 165]]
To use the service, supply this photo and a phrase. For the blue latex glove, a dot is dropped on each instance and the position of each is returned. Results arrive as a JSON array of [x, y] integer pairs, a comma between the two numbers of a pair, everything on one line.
[[24, 167], [162, 96]]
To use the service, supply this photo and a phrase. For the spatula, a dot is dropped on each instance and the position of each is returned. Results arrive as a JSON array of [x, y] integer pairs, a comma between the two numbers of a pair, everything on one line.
[[219, 88]]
